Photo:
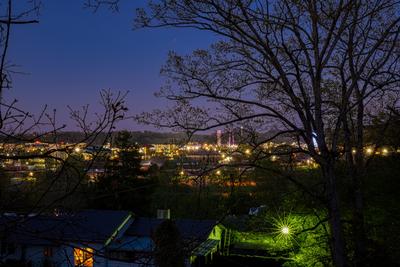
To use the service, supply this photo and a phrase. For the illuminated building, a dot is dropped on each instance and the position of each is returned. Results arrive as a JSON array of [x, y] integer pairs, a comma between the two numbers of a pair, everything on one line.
[[219, 137]]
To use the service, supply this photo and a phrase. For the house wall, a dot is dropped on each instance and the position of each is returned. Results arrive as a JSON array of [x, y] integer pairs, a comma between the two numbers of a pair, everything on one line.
[[33, 254], [62, 256], [128, 264]]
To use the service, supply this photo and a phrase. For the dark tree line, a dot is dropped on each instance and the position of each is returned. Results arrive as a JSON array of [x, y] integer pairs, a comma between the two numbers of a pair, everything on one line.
[[318, 70]]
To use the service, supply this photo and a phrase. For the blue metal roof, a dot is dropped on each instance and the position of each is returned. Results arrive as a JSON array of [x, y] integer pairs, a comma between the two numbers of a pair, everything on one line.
[[88, 226], [188, 228], [133, 243]]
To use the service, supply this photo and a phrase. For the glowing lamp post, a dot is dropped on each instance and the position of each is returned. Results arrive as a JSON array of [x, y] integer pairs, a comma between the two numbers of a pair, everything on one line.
[[285, 230]]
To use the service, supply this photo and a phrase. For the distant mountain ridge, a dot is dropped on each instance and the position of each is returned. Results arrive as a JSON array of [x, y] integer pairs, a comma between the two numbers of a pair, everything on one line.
[[141, 137]]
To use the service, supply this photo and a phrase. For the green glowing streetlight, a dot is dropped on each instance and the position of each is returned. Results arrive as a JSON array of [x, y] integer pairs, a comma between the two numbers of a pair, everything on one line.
[[285, 230]]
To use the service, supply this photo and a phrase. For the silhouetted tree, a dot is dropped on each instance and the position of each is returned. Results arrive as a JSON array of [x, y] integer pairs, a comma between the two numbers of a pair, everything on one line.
[[314, 69], [18, 126], [168, 245]]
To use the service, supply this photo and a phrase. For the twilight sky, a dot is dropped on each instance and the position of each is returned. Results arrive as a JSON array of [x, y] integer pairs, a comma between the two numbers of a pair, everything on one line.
[[73, 53]]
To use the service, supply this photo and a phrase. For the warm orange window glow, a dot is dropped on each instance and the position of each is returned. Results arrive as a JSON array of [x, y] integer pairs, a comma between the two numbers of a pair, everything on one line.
[[48, 252], [83, 257]]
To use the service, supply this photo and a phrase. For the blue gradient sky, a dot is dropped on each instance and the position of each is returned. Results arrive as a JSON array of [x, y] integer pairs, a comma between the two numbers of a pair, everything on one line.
[[73, 53]]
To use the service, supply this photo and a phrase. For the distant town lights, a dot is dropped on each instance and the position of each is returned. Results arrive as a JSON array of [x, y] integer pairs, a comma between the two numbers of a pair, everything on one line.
[[228, 159]]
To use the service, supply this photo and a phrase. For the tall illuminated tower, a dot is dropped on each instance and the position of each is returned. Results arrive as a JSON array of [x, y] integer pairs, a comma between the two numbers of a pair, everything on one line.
[[219, 137]]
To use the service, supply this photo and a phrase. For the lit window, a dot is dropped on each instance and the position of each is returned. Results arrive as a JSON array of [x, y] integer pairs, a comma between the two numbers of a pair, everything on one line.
[[48, 252], [83, 257]]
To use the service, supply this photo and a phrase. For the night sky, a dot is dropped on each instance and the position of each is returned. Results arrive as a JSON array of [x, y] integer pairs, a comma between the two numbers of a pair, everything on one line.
[[73, 53]]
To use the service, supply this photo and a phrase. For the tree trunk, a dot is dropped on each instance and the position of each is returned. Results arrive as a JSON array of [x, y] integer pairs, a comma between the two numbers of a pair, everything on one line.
[[356, 172], [337, 239], [358, 224], [358, 198]]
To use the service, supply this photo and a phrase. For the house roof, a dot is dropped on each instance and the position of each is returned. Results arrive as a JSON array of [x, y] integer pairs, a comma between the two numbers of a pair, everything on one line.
[[88, 226], [207, 247], [139, 235], [188, 228]]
